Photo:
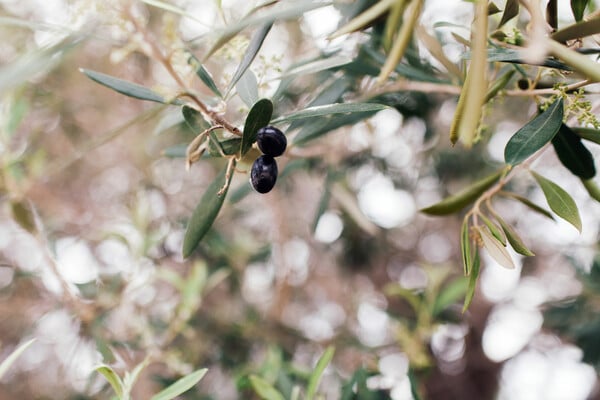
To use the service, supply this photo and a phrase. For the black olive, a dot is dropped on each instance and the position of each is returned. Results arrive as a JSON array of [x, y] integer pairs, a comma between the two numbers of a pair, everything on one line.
[[263, 174], [271, 141]]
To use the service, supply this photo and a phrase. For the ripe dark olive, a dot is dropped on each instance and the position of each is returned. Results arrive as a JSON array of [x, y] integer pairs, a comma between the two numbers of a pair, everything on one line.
[[271, 141], [263, 174]]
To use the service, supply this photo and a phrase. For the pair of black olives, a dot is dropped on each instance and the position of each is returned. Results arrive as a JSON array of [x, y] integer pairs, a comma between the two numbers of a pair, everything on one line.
[[272, 142]]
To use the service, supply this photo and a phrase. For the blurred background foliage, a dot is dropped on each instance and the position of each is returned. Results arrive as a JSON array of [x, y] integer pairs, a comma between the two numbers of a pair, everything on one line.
[[96, 197]]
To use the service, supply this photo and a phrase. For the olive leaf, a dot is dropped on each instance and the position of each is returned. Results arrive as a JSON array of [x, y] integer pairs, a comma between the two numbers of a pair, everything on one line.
[[315, 377], [511, 10], [535, 134], [194, 119], [12, 357], [259, 116], [205, 213], [472, 285], [336, 108], [514, 239], [573, 154], [559, 201], [460, 200], [495, 249], [247, 88], [127, 88], [578, 7], [112, 378], [227, 147], [534, 207], [465, 247], [497, 232], [253, 47], [180, 386], [264, 389], [204, 75], [578, 30]]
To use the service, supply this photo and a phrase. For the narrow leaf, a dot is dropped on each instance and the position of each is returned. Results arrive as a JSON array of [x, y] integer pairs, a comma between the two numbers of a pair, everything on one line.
[[449, 295], [247, 88], [495, 249], [229, 147], [499, 84], [24, 214], [317, 66], [511, 10], [460, 200], [259, 116], [472, 97], [494, 229], [364, 18], [579, 62], [194, 119], [465, 246], [592, 189], [182, 385], [264, 389], [204, 75], [530, 204], [112, 378], [472, 281], [535, 134], [559, 201], [405, 33], [315, 377], [514, 239], [336, 108], [593, 135], [125, 87], [573, 154], [577, 31], [174, 9], [552, 14], [578, 7], [205, 214], [253, 47], [175, 151], [12, 357]]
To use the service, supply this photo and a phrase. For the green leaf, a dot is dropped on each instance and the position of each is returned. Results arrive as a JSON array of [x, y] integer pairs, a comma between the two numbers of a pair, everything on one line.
[[514, 239], [194, 119], [182, 385], [253, 47], [535, 134], [494, 229], [315, 377], [578, 30], [23, 213], [593, 135], [573, 154], [559, 201], [127, 88], [472, 281], [204, 75], [205, 214], [449, 295], [592, 189], [578, 62], [259, 116], [514, 57], [130, 378], [336, 108], [364, 18], [511, 10], [317, 66], [264, 389], [465, 246], [460, 200], [12, 357], [578, 7], [112, 378], [34, 62], [228, 146], [247, 88], [495, 249], [529, 203]]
